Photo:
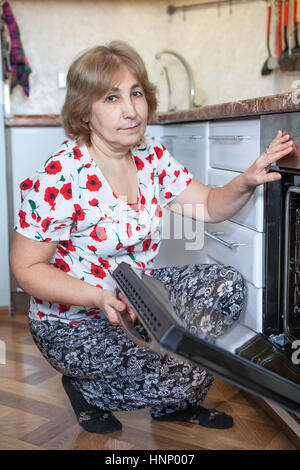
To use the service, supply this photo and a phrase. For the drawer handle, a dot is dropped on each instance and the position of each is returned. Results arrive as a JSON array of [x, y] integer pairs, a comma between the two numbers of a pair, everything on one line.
[[193, 137], [234, 138], [215, 237]]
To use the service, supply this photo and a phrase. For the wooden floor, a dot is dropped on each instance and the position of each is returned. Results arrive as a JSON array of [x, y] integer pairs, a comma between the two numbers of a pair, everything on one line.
[[35, 412]]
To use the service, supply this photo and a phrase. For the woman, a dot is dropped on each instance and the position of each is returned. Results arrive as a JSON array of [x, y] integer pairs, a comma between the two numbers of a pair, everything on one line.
[[96, 202]]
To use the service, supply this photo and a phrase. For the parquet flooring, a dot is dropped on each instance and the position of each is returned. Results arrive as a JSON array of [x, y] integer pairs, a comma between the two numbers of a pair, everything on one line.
[[35, 412]]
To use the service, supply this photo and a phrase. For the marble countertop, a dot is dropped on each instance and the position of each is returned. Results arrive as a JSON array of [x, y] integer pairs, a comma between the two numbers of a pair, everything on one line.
[[282, 103]]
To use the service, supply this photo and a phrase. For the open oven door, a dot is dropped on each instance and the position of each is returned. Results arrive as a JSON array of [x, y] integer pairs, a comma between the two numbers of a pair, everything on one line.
[[241, 356]]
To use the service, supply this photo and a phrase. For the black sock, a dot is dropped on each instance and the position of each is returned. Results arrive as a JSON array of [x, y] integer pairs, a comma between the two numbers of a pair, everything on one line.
[[90, 418], [206, 417]]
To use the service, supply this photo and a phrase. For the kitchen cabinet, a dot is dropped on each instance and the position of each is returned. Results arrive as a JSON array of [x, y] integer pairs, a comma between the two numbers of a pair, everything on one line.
[[27, 149], [233, 146], [216, 152], [184, 242]]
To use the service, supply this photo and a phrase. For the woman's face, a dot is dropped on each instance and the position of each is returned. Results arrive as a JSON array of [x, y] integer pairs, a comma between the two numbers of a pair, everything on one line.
[[118, 120]]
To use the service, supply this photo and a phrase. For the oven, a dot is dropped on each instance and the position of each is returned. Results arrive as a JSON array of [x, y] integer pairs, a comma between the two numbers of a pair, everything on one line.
[[281, 309]]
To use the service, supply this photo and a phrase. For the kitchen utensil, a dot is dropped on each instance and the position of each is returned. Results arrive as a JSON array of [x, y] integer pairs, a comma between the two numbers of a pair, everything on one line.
[[278, 35], [286, 63], [296, 50], [270, 63]]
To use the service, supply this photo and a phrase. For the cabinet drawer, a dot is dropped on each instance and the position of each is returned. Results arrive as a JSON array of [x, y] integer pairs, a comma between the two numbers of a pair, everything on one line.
[[231, 244], [252, 314], [189, 147], [234, 145], [252, 214], [193, 131]]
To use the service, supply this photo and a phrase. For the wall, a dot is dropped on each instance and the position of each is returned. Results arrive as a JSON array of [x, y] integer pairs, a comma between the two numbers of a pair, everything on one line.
[[225, 50]]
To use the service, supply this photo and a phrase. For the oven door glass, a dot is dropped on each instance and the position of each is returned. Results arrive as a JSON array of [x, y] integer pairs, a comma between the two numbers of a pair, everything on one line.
[[241, 356]]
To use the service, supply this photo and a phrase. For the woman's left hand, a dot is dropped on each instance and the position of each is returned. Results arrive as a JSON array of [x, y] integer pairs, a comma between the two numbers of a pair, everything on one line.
[[258, 172]]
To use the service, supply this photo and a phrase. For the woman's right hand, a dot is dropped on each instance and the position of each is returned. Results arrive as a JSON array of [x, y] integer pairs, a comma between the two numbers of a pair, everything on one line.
[[108, 303]]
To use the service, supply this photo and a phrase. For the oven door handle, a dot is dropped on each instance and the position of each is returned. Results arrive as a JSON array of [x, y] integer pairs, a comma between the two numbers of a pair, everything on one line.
[[231, 138], [215, 236]]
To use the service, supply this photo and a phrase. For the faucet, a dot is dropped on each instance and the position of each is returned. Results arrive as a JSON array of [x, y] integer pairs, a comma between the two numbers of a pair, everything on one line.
[[188, 71], [170, 107]]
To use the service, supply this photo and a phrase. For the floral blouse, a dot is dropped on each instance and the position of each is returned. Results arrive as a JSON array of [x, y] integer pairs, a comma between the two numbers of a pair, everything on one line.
[[68, 200]]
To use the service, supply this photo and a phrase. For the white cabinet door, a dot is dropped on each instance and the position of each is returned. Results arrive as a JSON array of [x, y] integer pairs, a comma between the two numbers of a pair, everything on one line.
[[232, 244], [184, 237], [252, 214], [29, 149], [234, 145], [189, 147]]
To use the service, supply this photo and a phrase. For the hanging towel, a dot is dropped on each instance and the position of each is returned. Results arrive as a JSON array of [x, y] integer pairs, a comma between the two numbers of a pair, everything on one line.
[[20, 68]]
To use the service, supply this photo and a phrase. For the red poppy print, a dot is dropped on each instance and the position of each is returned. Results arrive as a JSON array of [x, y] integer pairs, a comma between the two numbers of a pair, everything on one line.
[[62, 265], [97, 271], [36, 186], [66, 191], [79, 214], [99, 234], [161, 177], [26, 184], [104, 262], [159, 152], [93, 183], [139, 163], [46, 224], [168, 195], [63, 308], [158, 212], [53, 168], [150, 158], [176, 174], [77, 153], [50, 196], [22, 217], [146, 244], [65, 247], [94, 202], [152, 175]]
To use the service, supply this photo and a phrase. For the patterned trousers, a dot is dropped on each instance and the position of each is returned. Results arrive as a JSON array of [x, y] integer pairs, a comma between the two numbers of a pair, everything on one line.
[[113, 373]]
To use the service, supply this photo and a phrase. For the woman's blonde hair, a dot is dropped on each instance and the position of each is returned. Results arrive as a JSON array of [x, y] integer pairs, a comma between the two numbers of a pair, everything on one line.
[[90, 76]]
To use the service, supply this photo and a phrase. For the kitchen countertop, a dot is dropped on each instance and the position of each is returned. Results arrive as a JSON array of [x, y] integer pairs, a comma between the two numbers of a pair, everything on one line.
[[281, 103]]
